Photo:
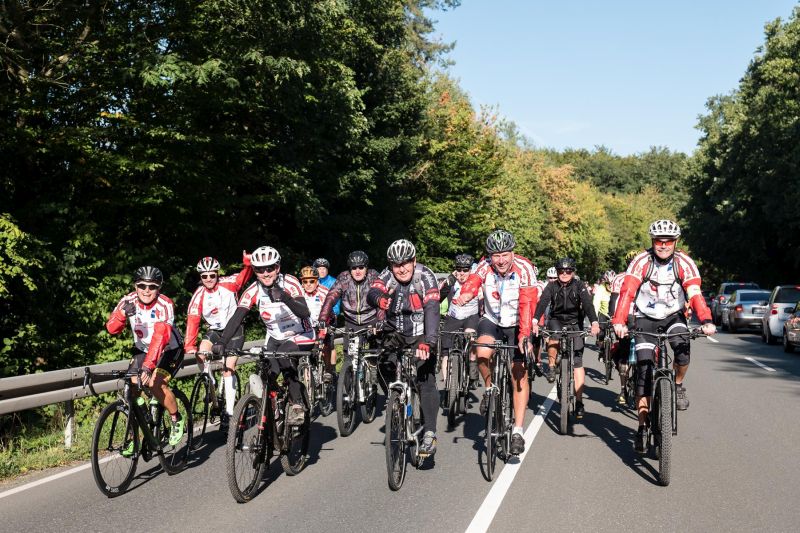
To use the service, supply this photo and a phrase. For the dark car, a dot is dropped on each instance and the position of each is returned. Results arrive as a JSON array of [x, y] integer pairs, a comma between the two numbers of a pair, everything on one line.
[[744, 310], [791, 330], [723, 294]]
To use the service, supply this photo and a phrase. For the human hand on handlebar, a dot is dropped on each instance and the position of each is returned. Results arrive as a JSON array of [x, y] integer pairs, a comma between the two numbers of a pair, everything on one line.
[[621, 330], [708, 329], [423, 351], [595, 329]]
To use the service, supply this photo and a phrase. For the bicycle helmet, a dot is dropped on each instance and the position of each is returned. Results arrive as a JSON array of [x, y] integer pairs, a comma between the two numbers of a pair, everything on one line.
[[665, 228], [401, 251], [207, 264], [630, 255], [609, 276], [148, 273], [357, 259], [551, 272], [565, 262], [265, 256], [309, 273], [500, 241], [464, 261], [321, 262]]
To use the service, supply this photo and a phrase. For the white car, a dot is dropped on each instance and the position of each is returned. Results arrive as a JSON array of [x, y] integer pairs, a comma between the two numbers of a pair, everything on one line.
[[779, 308]]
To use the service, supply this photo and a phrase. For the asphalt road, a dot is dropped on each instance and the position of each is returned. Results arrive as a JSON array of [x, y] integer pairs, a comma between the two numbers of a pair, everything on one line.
[[735, 469]]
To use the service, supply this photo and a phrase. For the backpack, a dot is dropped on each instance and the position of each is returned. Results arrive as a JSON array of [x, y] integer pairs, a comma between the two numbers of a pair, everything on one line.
[[675, 268]]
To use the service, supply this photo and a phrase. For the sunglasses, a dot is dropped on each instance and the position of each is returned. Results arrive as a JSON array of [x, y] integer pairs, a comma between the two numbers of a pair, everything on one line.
[[664, 242], [261, 270], [208, 276], [359, 267], [309, 281], [565, 270], [147, 286], [462, 269]]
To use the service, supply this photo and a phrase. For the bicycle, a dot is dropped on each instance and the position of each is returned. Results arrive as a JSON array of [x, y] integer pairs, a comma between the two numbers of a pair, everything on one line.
[[208, 396], [119, 439], [357, 385], [499, 416], [663, 416], [322, 394], [258, 430], [604, 351], [565, 381], [403, 420], [456, 383]]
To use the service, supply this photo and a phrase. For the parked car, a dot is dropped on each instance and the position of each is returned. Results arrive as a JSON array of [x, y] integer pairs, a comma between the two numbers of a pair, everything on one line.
[[744, 310], [723, 294], [791, 330], [780, 306]]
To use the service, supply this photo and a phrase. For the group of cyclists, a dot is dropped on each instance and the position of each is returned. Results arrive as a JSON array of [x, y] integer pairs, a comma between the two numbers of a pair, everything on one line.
[[497, 297]]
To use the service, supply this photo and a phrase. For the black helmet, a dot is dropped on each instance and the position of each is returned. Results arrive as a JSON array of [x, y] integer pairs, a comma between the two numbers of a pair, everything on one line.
[[464, 261], [565, 262], [321, 262], [148, 273], [500, 241], [357, 259]]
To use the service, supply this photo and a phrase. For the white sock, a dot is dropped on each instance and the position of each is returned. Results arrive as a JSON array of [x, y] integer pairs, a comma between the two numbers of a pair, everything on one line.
[[230, 393], [517, 430]]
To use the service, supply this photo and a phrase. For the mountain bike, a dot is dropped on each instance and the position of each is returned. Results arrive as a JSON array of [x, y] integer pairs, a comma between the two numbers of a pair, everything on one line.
[[604, 351], [311, 369], [499, 416], [131, 427], [565, 380], [456, 382], [208, 397], [357, 385], [258, 430], [663, 415]]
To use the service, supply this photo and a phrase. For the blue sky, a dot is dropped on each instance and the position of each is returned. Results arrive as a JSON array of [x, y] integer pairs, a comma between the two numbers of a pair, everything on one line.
[[624, 74]]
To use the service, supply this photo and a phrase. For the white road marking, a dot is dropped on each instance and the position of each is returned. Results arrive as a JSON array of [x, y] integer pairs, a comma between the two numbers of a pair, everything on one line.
[[759, 363], [483, 518], [712, 339]]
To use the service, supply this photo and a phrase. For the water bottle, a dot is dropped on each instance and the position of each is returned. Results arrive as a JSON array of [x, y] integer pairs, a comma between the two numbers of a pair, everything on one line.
[[632, 354]]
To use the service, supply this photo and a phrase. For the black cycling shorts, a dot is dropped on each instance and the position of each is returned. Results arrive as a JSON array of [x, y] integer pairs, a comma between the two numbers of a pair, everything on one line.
[[236, 342], [455, 324], [168, 363], [507, 335], [577, 358]]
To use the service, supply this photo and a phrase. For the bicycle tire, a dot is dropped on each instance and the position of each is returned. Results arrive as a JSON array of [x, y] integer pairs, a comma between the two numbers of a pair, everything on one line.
[[306, 378], [607, 358], [370, 405], [200, 403], [454, 391], [507, 418], [113, 473], [663, 423], [395, 441], [173, 458], [296, 438], [345, 399], [490, 438], [247, 451], [328, 401], [563, 396]]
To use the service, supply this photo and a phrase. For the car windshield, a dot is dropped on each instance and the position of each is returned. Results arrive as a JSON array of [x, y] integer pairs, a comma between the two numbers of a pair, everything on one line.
[[787, 295], [752, 296], [733, 287]]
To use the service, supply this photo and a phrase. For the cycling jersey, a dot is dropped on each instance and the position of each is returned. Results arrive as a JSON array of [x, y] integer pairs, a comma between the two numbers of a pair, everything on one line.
[[281, 323], [507, 300], [314, 302], [452, 289], [328, 282], [414, 306], [152, 326], [663, 294], [353, 296], [616, 286], [600, 300], [216, 306], [567, 303]]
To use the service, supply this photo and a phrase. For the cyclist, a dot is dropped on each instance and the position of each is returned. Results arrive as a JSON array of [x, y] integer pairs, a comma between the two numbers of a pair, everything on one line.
[[658, 282], [536, 340], [407, 291], [286, 317], [620, 349], [313, 292], [459, 316], [323, 267], [600, 299], [158, 351], [509, 294], [214, 301], [569, 300]]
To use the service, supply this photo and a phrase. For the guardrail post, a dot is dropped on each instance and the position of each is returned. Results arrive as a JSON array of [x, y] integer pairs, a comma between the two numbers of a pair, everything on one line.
[[69, 426]]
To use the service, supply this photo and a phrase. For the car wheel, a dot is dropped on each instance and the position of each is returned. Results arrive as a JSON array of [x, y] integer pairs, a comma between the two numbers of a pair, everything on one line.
[[787, 346], [770, 337]]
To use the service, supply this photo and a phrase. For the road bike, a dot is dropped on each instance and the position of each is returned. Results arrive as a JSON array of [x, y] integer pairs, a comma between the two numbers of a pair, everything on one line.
[[208, 396], [258, 430], [565, 380], [357, 385], [456, 383], [132, 427]]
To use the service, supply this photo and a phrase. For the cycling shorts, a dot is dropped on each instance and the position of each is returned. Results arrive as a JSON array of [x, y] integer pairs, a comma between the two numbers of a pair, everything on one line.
[[236, 343], [455, 324], [167, 366], [506, 335], [577, 357]]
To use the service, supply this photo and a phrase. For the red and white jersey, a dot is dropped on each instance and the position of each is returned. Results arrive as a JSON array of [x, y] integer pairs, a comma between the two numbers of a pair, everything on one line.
[[143, 322], [506, 299], [460, 312], [314, 302], [279, 320], [215, 306], [540, 285], [616, 283]]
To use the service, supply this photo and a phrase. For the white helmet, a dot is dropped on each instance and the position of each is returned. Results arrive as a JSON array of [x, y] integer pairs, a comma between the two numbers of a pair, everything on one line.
[[401, 251], [265, 256], [664, 228], [551, 272], [207, 264]]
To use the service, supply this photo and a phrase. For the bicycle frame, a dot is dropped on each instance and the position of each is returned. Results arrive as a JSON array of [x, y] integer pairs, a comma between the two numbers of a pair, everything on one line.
[[404, 383]]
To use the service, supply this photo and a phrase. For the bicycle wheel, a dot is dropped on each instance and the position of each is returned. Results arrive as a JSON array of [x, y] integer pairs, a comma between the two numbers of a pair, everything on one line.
[[248, 449], [490, 437], [346, 399], [506, 418], [295, 454], [414, 422], [454, 391], [370, 404], [309, 385], [395, 441], [115, 449], [328, 401], [563, 396], [173, 457], [663, 430], [607, 357], [201, 406]]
